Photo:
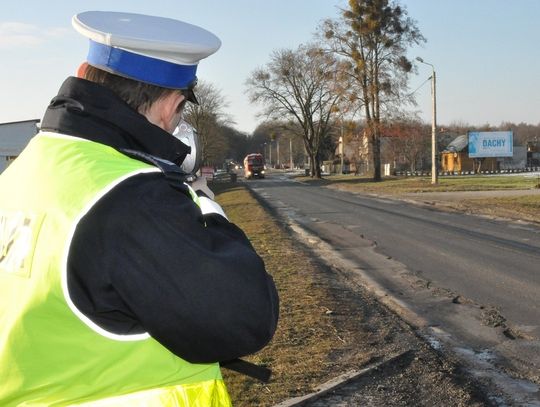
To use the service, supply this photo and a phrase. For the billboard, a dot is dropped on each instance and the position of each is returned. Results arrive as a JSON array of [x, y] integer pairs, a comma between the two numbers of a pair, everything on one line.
[[491, 144]]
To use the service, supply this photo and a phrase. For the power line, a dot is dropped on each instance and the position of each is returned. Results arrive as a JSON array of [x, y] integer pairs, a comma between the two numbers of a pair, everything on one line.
[[423, 83]]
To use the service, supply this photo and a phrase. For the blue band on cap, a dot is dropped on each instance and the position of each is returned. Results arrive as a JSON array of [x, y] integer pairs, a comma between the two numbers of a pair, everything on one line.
[[140, 67]]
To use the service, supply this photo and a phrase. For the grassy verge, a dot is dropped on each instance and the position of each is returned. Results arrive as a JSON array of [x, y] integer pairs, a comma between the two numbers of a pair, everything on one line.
[[298, 354], [525, 208], [394, 185]]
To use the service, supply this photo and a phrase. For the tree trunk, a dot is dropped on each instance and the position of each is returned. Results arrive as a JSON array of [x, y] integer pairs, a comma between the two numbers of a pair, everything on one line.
[[317, 170], [376, 158], [376, 150], [312, 164]]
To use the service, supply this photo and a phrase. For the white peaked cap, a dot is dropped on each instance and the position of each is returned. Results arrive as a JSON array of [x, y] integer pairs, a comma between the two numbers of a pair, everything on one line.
[[157, 50]]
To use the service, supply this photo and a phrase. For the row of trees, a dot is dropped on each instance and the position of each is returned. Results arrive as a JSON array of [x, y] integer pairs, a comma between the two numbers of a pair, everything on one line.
[[350, 82], [359, 64], [405, 142], [219, 140]]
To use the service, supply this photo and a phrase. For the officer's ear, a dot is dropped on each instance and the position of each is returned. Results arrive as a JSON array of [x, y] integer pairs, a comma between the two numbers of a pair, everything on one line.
[[170, 103], [82, 70], [170, 111], [164, 111]]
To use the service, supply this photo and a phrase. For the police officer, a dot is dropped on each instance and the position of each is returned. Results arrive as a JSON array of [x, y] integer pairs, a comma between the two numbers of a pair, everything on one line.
[[120, 282]]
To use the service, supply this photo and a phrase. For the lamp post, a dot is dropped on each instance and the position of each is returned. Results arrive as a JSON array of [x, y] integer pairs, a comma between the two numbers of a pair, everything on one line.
[[263, 145], [341, 151], [291, 164], [278, 164], [434, 170]]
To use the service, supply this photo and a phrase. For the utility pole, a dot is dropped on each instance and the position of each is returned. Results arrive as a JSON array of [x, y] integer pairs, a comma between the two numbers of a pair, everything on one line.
[[340, 149], [277, 153], [434, 169], [341, 144], [270, 150], [434, 153], [290, 151]]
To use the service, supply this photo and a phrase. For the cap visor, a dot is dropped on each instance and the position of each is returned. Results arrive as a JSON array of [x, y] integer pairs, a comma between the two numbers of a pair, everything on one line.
[[190, 96]]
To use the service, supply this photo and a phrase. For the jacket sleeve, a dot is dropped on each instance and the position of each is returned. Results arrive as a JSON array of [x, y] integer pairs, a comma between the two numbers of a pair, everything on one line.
[[193, 282]]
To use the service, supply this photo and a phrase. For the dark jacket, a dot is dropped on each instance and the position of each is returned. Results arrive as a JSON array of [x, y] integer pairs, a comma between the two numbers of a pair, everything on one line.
[[144, 259]]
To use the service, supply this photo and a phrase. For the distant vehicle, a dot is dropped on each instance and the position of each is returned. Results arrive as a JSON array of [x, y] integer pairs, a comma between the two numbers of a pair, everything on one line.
[[254, 166], [232, 166]]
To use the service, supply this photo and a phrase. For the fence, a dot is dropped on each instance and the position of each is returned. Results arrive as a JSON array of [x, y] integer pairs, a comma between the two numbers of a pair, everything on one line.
[[448, 173]]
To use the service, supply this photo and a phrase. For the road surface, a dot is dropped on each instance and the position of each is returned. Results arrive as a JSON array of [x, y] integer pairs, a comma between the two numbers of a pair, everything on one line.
[[471, 283]]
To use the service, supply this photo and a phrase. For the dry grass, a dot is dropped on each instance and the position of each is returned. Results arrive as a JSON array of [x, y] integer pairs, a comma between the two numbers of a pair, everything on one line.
[[299, 354], [395, 185], [525, 208]]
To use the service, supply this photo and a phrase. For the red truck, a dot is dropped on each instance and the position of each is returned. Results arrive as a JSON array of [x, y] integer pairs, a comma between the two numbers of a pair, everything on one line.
[[254, 166]]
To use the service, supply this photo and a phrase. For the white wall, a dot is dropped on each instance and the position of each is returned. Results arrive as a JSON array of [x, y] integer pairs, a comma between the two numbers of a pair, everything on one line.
[[14, 137]]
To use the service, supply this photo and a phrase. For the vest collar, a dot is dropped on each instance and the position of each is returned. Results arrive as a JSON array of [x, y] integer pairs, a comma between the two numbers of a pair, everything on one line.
[[90, 111]]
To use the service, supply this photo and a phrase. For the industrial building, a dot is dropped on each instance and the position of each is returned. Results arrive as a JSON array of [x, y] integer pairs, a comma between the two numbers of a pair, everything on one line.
[[14, 137]]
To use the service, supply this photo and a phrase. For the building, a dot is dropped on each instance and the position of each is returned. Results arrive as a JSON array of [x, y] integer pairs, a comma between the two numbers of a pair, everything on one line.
[[533, 153], [14, 137], [518, 161], [357, 157], [455, 158]]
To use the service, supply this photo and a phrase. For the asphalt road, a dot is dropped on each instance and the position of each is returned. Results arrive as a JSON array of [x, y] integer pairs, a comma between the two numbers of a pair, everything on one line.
[[493, 264]]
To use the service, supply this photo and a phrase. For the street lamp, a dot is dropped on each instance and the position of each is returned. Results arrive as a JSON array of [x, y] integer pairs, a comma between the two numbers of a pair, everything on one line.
[[263, 145], [341, 151], [434, 171]]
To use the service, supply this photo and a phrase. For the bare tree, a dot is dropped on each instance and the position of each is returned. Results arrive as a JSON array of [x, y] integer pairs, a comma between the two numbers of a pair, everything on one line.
[[406, 142], [373, 36], [304, 86], [523, 132], [286, 133], [208, 117]]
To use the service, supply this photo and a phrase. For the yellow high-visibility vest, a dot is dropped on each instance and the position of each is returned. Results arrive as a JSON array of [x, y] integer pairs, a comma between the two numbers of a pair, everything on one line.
[[50, 353]]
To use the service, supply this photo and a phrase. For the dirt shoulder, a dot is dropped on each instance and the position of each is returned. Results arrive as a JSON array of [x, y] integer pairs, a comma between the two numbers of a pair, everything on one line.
[[330, 325]]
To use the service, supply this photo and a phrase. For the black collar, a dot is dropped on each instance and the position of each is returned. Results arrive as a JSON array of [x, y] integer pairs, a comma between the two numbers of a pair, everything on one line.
[[90, 111]]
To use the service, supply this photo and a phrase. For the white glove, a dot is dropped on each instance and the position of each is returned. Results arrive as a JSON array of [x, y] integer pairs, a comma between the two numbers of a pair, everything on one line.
[[200, 185]]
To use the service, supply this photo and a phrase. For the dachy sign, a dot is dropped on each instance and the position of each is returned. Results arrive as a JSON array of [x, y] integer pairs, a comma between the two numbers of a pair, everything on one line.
[[491, 144]]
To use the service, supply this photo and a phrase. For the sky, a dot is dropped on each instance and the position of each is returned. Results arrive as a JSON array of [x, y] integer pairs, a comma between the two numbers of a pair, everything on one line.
[[486, 53]]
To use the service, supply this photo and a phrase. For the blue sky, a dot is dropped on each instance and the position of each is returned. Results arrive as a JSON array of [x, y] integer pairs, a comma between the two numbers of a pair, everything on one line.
[[485, 52]]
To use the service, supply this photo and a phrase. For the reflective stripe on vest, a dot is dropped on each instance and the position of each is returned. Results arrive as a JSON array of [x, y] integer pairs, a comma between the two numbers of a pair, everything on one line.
[[50, 353]]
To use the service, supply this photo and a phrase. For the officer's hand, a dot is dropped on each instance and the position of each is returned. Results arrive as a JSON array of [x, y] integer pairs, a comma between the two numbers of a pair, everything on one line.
[[200, 185]]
